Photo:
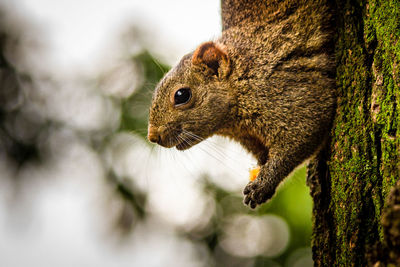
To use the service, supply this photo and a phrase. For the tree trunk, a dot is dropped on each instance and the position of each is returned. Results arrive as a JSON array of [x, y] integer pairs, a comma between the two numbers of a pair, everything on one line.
[[356, 214]]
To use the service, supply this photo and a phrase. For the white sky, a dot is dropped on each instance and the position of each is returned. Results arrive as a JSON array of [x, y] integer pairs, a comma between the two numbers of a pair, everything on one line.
[[79, 29]]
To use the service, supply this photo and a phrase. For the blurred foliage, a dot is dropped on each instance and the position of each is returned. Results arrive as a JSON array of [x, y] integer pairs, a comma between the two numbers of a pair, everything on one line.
[[133, 203], [134, 117], [135, 108], [19, 148], [24, 128], [293, 203]]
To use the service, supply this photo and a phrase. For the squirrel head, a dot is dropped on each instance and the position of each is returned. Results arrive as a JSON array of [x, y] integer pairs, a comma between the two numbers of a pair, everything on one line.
[[193, 100]]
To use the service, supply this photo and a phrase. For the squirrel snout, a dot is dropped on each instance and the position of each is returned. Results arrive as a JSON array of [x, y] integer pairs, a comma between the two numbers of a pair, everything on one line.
[[153, 135]]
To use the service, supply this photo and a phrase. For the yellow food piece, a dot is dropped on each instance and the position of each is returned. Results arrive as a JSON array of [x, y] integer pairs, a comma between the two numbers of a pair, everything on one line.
[[253, 173]]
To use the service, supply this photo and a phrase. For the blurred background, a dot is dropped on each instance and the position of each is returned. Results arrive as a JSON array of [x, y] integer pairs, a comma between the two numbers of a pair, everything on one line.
[[79, 183]]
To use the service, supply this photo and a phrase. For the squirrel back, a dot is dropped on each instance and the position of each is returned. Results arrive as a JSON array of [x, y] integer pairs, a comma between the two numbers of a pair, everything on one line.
[[267, 82]]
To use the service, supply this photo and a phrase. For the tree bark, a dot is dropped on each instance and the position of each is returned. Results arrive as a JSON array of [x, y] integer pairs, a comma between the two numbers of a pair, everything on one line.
[[356, 213]]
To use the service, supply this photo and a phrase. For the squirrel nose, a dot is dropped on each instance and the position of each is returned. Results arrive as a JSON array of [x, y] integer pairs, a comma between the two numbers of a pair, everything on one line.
[[153, 135]]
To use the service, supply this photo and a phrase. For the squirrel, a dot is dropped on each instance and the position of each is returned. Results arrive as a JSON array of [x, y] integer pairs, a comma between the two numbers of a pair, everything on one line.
[[268, 82]]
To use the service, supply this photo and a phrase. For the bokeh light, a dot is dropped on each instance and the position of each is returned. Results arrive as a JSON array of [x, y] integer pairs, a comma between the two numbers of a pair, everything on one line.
[[250, 236]]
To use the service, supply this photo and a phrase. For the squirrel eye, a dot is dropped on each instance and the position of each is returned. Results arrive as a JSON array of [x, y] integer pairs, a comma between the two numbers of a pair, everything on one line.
[[182, 96]]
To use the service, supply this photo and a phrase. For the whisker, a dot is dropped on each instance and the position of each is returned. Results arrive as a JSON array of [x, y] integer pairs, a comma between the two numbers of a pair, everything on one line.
[[180, 139], [220, 156], [160, 67], [217, 146], [225, 153], [212, 147], [171, 156], [190, 164], [222, 161], [150, 155]]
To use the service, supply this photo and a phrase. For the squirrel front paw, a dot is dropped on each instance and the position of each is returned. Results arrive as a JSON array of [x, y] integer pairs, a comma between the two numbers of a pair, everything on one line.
[[257, 192]]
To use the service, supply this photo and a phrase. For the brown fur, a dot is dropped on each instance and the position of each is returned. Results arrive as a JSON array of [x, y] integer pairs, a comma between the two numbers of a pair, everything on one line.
[[267, 83]]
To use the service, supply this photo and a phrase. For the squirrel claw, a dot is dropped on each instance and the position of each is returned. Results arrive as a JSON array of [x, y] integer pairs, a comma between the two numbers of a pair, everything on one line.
[[248, 201], [256, 193]]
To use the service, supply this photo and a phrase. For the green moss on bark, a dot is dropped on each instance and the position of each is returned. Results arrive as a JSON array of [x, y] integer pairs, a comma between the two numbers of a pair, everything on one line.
[[364, 155]]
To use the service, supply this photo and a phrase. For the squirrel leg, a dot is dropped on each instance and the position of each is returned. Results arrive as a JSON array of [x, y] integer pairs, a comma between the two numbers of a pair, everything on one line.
[[277, 167]]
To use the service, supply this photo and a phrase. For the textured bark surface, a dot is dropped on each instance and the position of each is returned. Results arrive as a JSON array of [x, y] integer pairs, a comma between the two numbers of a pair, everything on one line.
[[353, 181]]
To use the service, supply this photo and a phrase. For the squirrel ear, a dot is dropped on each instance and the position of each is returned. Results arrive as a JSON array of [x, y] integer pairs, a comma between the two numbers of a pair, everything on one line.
[[212, 58]]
